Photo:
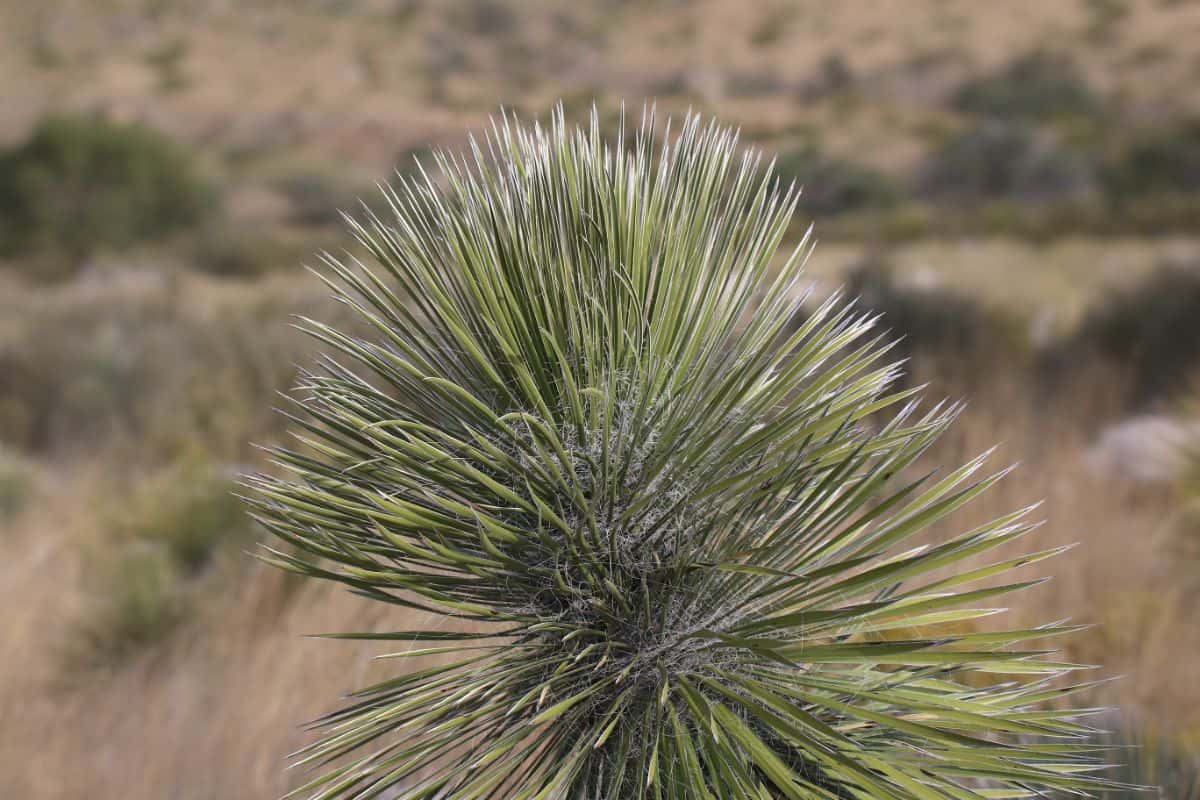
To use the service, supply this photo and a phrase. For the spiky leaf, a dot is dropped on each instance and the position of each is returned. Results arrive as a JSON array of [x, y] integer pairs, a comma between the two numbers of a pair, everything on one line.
[[670, 532]]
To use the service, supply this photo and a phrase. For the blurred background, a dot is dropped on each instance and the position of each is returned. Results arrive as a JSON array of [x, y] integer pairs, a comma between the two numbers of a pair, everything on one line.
[[1016, 185]]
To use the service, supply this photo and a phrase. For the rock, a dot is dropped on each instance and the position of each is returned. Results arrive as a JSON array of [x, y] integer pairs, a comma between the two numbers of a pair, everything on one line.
[[1151, 448]]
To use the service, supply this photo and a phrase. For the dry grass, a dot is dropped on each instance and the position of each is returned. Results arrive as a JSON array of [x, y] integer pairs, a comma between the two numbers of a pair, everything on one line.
[[211, 714], [1123, 576]]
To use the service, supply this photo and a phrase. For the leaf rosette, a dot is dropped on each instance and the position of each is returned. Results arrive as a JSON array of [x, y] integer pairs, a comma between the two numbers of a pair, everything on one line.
[[676, 531]]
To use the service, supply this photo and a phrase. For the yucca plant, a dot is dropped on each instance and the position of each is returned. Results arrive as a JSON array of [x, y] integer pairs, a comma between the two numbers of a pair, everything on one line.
[[671, 534], [1153, 766]]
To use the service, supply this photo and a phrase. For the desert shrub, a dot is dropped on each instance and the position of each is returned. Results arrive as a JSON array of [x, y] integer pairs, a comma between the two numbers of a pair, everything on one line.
[[1150, 330], [754, 83], [149, 565], [78, 378], [490, 18], [80, 183], [188, 512], [317, 198], [773, 26], [167, 60], [1155, 214], [1164, 161], [1186, 531], [663, 545], [156, 369], [835, 73], [412, 159], [445, 56], [995, 160], [16, 483], [931, 324], [238, 250], [833, 76], [136, 604], [1038, 85], [672, 83], [832, 185], [1104, 18]]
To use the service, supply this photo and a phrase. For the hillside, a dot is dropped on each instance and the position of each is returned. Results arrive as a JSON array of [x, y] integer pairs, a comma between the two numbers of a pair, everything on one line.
[[1015, 185]]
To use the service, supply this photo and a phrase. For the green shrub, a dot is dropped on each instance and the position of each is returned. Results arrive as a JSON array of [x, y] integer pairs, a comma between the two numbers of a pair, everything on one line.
[[907, 221], [150, 564], [79, 184], [995, 160], [753, 83], [188, 512], [1157, 162], [16, 484], [1155, 214], [1151, 330], [316, 198], [835, 72], [237, 250], [490, 18], [411, 160], [137, 604], [1038, 85], [78, 371], [773, 26], [662, 537], [1104, 19], [167, 60], [833, 77], [951, 329], [153, 371], [833, 186]]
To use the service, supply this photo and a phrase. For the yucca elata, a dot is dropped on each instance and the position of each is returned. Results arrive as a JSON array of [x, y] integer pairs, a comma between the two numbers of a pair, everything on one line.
[[669, 531]]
